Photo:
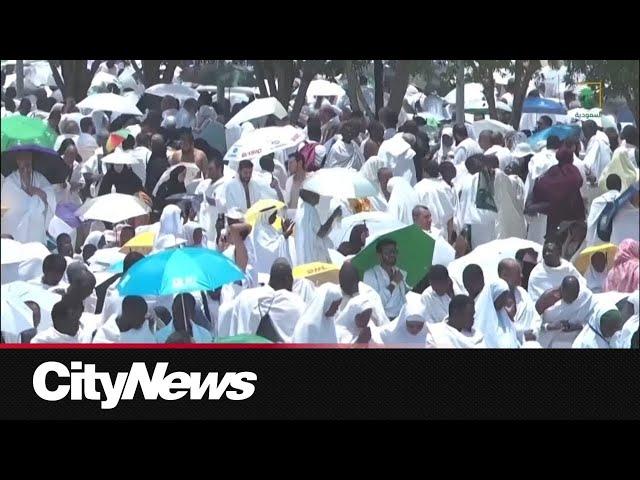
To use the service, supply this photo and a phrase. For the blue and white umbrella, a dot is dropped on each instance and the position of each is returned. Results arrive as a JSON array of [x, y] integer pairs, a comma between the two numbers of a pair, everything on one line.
[[543, 105]]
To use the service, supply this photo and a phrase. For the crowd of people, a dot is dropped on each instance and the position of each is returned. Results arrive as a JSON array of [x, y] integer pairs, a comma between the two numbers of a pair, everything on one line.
[[564, 210]]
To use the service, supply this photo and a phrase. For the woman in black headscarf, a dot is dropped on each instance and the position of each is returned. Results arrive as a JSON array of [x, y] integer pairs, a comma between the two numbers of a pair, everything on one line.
[[123, 178], [174, 185], [157, 164]]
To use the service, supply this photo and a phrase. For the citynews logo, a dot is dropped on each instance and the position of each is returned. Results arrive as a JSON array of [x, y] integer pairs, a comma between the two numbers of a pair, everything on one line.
[[84, 378]]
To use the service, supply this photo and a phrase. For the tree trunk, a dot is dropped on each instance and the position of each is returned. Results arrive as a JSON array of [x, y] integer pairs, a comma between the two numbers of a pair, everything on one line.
[[490, 86], [76, 78], [284, 70], [57, 77], [259, 73], [632, 103], [524, 70], [271, 79], [151, 71], [167, 77], [309, 69], [352, 85], [378, 75], [399, 85]]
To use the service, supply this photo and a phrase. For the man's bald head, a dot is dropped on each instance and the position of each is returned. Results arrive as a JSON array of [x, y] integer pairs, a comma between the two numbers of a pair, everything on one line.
[[569, 289], [349, 278], [510, 271], [485, 139]]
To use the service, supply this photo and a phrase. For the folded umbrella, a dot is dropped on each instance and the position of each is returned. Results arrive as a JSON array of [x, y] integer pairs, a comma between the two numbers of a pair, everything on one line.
[[339, 182], [112, 208], [415, 253], [179, 270]]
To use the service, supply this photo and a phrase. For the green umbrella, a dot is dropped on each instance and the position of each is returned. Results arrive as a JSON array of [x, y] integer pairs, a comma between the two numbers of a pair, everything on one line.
[[18, 130], [25, 134], [242, 338], [415, 253]]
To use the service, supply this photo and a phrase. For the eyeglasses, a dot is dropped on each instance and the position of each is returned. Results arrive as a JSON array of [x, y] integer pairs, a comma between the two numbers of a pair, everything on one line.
[[390, 252]]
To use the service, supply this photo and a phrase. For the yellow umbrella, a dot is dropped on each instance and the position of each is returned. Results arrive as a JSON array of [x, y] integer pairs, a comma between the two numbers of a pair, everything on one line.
[[142, 243], [584, 259], [317, 272], [260, 206]]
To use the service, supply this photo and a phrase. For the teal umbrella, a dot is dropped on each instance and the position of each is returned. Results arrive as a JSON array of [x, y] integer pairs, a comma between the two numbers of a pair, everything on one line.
[[415, 253], [242, 338]]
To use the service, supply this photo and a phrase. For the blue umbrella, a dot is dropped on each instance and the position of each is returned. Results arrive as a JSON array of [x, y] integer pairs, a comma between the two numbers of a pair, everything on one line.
[[543, 105], [561, 131], [179, 270]]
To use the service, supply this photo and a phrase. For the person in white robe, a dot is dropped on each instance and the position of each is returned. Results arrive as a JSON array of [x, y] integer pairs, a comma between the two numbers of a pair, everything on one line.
[[626, 221], [244, 190], [603, 328], [438, 295], [630, 327], [509, 198], [211, 191], [388, 280], [317, 323], [457, 330], [597, 271], [551, 271], [30, 200], [439, 197], [354, 322], [402, 201], [495, 311], [171, 227], [312, 243], [445, 152], [267, 242], [538, 165], [131, 326], [565, 310], [345, 152], [370, 171], [65, 316], [397, 154], [194, 234], [465, 148], [624, 164], [597, 206], [527, 320], [598, 152], [406, 331]]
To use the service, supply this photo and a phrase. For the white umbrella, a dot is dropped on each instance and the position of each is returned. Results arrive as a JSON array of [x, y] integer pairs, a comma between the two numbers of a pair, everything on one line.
[[16, 317], [104, 77], [233, 97], [339, 182], [324, 88], [107, 257], [181, 92], [488, 256], [258, 108], [109, 102], [376, 222], [493, 125], [12, 251], [244, 90], [263, 141], [500, 105], [192, 172], [473, 96], [112, 208], [120, 157]]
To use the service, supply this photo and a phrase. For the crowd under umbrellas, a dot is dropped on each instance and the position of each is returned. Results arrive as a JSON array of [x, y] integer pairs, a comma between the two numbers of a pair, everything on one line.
[[162, 214]]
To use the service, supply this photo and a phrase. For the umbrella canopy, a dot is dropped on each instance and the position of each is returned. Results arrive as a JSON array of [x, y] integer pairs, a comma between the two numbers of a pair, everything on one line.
[[262, 205], [192, 172], [110, 102], [263, 141], [473, 95], [116, 138], [257, 109], [120, 157], [376, 222], [112, 208], [181, 92], [493, 125], [242, 338], [543, 105], [142, 243], [179, 270], [488, 256], [560, 131], [584, 259], [107, 257], [16, 317], [244, 90], [317, 272], [415, 253], [105, 78], [26, 134], [12, 251], [324, 88], [339, 182]]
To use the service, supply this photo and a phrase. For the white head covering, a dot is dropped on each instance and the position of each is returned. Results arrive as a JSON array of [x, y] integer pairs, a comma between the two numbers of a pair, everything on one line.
[[314, 326], [396, 333], [496, 327], [402, 200], [268, 243], [170, 224], [371, 168], [189, 229], [346, 327], [93, 238]]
